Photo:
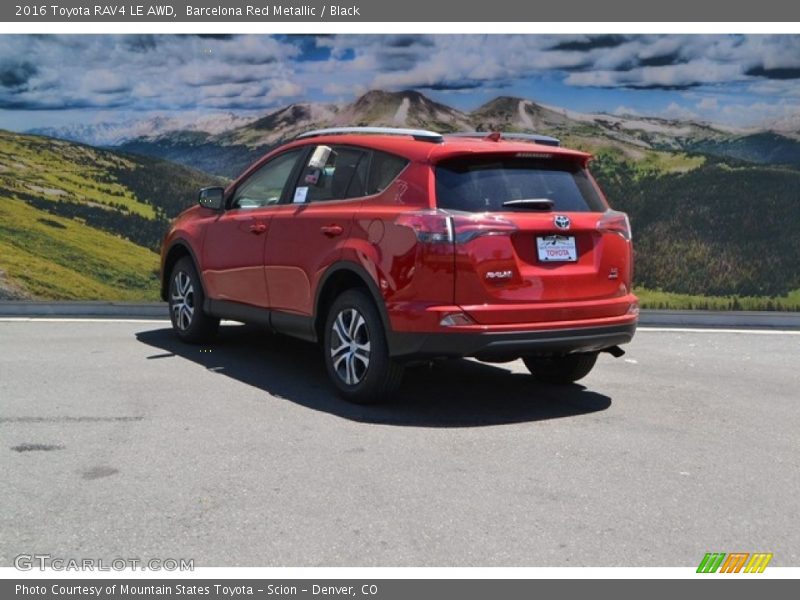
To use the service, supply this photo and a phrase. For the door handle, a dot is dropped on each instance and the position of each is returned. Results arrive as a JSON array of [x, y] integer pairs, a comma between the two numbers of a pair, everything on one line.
[[258, 228], [332, 230]]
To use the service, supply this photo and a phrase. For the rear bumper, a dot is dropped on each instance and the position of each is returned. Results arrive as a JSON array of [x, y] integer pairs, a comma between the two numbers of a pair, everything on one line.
[[502, 345]]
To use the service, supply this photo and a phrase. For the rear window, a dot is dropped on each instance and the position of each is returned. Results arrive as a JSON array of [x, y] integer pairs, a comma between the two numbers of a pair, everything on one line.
[[480, 184]]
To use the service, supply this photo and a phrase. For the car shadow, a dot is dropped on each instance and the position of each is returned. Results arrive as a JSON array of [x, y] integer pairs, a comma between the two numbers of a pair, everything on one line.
[[451, 393]]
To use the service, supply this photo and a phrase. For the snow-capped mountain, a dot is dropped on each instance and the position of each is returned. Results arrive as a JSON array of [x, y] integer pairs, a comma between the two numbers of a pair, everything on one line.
[[105, 133]]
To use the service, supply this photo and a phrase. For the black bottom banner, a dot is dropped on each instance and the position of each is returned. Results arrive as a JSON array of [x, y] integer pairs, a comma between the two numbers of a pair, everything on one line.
[[383, 589]]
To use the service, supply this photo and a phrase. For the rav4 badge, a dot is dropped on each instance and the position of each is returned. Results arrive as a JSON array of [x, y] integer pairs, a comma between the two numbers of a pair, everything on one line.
[[499, 275]]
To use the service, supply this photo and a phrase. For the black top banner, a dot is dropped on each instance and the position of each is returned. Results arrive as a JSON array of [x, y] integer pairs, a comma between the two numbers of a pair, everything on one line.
[[465, 11]]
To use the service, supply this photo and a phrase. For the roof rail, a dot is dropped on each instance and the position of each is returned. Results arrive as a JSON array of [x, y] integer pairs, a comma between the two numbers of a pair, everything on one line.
[[418, 134], [545, 140]]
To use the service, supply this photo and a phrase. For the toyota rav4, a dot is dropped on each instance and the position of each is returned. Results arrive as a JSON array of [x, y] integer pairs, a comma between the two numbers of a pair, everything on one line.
[[394, 246]]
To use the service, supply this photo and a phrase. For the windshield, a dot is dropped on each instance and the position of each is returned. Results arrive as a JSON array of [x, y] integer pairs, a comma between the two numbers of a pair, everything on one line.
[[480, 184]]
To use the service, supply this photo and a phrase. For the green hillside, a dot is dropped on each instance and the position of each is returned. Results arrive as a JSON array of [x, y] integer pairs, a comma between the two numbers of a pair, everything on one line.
[[56, 170], [49, 257], [77, 222], [764, 147], [224, 161], [720, 229]]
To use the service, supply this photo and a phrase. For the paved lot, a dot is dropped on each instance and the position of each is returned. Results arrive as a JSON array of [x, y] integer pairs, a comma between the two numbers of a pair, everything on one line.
[[118, 441]]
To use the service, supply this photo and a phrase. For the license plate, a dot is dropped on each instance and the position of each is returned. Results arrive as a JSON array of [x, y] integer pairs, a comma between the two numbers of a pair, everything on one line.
[[557, 248]]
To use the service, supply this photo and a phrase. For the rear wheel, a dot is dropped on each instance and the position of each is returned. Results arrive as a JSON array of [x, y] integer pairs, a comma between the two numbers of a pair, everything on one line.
[[561, 369], [186, 304], [356, 351]]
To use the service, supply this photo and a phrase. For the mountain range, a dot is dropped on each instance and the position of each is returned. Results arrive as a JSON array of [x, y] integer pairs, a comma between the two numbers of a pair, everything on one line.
[[113, 133], [196, 143]]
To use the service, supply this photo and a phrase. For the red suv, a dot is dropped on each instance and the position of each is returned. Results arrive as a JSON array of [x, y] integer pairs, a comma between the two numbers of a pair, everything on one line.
[[391, 246]]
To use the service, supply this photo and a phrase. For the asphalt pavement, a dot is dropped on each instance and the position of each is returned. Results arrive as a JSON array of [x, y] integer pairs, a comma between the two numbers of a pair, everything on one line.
[[116, 440]]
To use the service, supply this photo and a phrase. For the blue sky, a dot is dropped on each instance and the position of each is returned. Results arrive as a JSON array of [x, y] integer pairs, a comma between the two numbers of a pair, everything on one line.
[[739, 80]]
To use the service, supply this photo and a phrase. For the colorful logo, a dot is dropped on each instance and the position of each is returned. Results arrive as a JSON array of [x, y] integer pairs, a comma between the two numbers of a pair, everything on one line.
[[736, 562]]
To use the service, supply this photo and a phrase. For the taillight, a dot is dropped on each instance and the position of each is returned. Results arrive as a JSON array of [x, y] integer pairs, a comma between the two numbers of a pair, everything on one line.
[[436, 226], [614, 221], [430, 226]]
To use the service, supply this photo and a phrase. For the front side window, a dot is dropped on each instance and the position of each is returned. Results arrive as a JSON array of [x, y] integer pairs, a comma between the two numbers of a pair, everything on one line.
[[333, 173], [265, 186]]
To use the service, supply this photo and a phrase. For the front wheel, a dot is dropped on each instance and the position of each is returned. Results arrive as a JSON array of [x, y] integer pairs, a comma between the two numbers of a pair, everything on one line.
[[561, 369], [356, 351], [186, 304]]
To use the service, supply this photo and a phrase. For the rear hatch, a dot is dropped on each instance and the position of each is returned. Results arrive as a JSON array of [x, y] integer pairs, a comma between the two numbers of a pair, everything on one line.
[[534, 238]]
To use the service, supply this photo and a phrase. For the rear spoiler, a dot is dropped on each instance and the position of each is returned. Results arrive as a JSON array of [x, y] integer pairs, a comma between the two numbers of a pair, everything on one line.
[[496, 136]]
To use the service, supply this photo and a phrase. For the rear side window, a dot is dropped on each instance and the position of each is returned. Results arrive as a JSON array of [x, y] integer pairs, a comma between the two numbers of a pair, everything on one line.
[[480, 184], [383, 171], [333, 173]]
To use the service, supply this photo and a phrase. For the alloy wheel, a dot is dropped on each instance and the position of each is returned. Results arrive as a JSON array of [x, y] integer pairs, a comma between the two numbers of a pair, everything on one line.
[[350, 346], [182, 300]]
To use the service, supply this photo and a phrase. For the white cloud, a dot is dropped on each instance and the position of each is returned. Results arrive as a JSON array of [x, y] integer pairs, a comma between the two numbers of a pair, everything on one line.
[[143, 72], [678, 76], [259, 72], [708, 104], [676, 111]]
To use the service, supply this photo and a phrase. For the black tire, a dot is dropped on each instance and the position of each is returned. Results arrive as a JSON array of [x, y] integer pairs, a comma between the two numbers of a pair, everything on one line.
[[361, 375], [186, 304], [561, 369]]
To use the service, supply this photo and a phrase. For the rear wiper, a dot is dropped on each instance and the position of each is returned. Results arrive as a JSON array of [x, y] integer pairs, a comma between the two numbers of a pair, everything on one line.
[[534, 203]]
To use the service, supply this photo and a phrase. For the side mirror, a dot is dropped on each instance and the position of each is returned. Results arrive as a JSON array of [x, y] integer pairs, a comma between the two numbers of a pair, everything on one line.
[[212, 197]]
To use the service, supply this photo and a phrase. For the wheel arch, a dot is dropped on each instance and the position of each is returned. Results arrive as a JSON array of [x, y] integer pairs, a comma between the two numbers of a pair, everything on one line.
[[177, 250], [339, 277]]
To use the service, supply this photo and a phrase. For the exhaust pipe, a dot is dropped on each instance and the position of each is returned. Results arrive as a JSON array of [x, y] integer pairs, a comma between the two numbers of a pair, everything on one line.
[[615, 351]]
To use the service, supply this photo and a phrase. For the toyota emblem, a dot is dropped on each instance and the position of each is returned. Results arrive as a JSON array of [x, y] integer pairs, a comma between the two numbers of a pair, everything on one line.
[[561, 221]]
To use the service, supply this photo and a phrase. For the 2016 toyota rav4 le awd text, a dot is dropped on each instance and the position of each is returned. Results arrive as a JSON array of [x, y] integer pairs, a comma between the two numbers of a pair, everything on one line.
[[390, 246]]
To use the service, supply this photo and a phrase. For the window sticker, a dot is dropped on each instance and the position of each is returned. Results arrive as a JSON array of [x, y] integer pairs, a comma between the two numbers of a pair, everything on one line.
[[300, 195]]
